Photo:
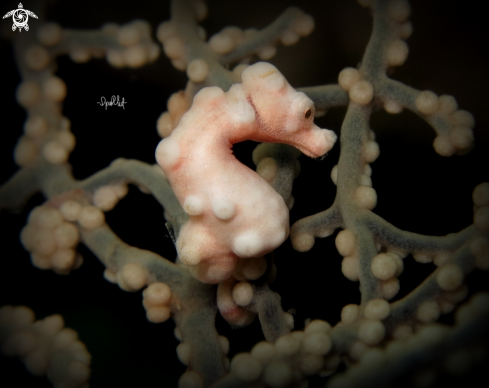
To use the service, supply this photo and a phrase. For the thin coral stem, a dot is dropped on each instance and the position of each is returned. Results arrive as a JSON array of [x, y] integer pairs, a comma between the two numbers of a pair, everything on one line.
[[206, 356], [285, 156], [114, 253], [19, 188], [373, 61], [272, 318], [90, 39], [404, 309], [263, 38], [186, 27], [369, 284], [391, 236], [321, 224], [138, 173], [326, 96], [354, 134], [406, 96]]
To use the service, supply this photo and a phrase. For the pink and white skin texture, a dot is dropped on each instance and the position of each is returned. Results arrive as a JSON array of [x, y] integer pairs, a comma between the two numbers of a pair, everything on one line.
[[233, 212]]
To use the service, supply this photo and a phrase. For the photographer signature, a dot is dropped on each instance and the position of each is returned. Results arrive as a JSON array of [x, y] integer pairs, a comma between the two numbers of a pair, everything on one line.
[[113, 101]]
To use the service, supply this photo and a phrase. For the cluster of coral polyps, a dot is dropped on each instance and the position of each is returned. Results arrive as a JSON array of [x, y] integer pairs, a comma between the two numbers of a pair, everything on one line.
[[52, 239], [51, 233], [287, 362], [291, 358], [45, 346], [39, 137], [49, 136], [136, 49], [459, 138], [131, 47], [157, 296], [419, 346]]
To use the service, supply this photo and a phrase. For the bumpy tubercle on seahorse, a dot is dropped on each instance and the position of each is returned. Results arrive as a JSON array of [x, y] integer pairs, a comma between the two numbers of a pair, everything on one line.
[[234, 213]]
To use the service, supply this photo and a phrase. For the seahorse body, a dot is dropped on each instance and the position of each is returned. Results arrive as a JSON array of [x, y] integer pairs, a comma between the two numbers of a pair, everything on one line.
[[233, 212]]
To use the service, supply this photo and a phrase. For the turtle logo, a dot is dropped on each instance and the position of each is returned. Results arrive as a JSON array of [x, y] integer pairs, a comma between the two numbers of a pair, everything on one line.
[[20, 16]]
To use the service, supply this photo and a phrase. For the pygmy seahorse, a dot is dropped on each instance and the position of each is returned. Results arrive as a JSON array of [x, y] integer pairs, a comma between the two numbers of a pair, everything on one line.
[[234, 213]]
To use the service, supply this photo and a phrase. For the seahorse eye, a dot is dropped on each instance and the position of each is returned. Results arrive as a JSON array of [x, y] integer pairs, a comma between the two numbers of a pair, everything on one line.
[[307, 114]]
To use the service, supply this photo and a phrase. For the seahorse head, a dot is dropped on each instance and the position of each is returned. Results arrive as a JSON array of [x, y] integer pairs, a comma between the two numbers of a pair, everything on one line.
[[283, 114]]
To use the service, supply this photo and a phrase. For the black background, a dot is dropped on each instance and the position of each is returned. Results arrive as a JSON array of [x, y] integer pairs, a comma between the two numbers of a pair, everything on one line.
[[417, 190]]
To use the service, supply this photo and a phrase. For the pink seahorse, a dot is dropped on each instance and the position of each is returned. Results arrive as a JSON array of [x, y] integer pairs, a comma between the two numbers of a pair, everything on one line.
[[233, 212]]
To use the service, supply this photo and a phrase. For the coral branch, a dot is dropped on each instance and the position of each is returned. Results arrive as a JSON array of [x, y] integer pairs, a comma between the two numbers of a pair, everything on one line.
[[274, 321], [19, 188], [389, 235], [321, 224], [288, 27], [326, 96], [150, 179]]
